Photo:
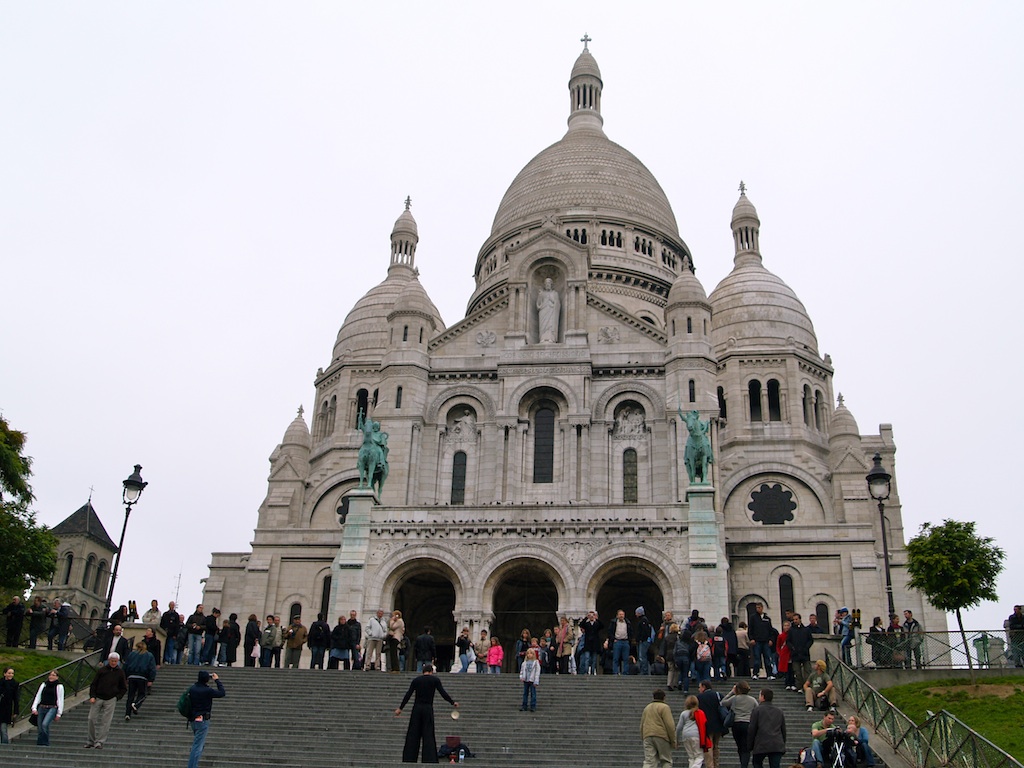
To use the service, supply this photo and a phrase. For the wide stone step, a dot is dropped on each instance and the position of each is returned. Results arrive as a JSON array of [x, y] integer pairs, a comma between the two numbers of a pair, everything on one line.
[[317, 718]]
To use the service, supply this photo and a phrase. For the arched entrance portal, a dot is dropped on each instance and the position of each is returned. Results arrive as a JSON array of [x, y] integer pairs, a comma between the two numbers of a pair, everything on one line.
[[627, 588], [524, 598], [427, 598]]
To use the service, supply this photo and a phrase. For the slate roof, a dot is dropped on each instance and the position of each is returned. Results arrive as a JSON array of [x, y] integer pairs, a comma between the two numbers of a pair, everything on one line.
[[85, 522]]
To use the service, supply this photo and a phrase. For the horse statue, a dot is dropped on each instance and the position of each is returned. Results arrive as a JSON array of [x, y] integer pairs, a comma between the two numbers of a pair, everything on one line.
[[698, 447], [373, 455]]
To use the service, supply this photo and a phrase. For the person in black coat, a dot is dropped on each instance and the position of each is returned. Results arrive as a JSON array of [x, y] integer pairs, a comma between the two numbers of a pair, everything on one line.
[[116, 643], [421, 722], [170, 623], [766, 734], [15, 613], [341, 645], [9, 708], [252, 638], [710, 701], [231, 641], [318, 640]]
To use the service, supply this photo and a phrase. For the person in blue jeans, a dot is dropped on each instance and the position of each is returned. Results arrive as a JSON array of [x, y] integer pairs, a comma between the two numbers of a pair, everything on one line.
[[620, 637], [762, 633], [48, 706], [529, 674], [702, 656], [202, 696]]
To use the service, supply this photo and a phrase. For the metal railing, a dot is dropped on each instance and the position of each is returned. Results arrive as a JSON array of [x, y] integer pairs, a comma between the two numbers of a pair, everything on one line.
[[84, 634], [986, 648], [75, 676], [942, 740]]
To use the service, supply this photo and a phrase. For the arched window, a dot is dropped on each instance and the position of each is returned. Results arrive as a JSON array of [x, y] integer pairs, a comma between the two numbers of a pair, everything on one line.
[[821, 611], [331, 413], [82, 609], [722, 413], [69, 560], [689, 325], [325, 597], [405, 333], [89, 565], [544, 445], [94, 613], [692, 387], [819, 407], [295, 610], [629, 483], [362, 404], [808, 407], [100, 586], [774, 401], [754, 390], [398, 398], [786, 602], [459, 478]]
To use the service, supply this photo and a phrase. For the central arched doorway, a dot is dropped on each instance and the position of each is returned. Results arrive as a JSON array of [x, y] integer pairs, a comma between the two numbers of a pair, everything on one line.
[[629, 585], [525, 597], [427, 598]]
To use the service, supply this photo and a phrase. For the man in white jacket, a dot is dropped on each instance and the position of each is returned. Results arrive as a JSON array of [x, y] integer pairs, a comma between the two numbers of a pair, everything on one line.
[[376, 631]]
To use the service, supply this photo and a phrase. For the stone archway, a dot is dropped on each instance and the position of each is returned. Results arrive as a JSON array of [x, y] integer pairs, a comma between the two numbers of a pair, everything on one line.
[[524, 598], [426, 597], [626, 587]]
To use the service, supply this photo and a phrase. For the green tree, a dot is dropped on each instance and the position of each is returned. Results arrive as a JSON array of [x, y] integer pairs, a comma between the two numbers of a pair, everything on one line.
[[955, 568], [28, 551]]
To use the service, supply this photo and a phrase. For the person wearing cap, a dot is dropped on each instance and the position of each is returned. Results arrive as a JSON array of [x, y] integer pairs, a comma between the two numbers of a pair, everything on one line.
[[819, 685], [421, 722], [202, 696], [644, 636], [107, 688]]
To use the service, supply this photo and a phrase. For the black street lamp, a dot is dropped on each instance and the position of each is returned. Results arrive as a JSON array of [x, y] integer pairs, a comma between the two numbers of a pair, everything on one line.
[[879, 487], [133, 488]]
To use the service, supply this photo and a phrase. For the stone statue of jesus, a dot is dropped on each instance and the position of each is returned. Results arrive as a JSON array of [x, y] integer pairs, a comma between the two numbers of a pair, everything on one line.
[[548, 309]]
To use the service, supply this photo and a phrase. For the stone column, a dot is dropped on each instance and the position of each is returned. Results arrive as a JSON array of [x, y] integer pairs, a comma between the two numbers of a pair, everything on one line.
[[348, 571], [709, 570]]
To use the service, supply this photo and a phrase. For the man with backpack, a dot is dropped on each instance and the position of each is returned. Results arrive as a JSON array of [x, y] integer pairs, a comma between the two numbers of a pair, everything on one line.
[[198, 709]]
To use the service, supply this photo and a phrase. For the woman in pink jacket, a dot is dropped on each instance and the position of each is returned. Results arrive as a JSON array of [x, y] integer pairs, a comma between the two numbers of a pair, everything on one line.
[[495, 655]]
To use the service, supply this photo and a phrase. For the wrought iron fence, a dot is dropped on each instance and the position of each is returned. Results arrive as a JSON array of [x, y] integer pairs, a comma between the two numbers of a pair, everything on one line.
[[987, 649], [83, 634], [942, 740], [75, 676]]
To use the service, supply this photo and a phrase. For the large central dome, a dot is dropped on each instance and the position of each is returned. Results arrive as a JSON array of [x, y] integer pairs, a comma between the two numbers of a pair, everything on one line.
[[585, 171]]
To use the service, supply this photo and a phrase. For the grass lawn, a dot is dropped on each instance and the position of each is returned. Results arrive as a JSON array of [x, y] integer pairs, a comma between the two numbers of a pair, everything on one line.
[[994, 708], [28, 664]]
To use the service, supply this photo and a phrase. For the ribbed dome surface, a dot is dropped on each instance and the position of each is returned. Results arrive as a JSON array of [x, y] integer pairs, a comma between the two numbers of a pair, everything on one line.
[[414, 298], [843, 424], [365, 330], [586, 64], [758, 309], [585, 170], [686, 288], [297, 433], [405, 224]]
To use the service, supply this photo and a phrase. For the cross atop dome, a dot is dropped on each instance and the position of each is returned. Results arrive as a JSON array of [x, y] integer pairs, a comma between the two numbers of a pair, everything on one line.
[[743, 188], [408, 202], [586, 40]]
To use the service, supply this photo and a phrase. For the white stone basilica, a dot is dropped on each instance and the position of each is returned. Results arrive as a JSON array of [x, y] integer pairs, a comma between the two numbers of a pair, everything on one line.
[[536, 449]]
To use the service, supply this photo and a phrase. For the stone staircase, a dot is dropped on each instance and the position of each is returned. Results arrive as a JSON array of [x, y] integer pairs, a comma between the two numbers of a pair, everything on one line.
[[325, 719]]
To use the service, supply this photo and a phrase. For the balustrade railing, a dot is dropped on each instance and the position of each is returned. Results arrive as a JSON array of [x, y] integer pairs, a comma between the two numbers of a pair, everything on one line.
[[75, 676], [987, 649], [942, 740]]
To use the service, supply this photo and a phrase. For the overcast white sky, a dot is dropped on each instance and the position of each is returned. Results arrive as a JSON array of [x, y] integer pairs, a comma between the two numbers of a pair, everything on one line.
[[193, 196]]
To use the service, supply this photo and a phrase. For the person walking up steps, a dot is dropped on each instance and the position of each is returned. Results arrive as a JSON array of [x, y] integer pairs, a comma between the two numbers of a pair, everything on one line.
[[202, 696]]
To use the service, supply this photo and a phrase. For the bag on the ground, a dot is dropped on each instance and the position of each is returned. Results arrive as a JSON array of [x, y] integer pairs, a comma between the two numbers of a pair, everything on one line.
[[184, 705], [822, 703]]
